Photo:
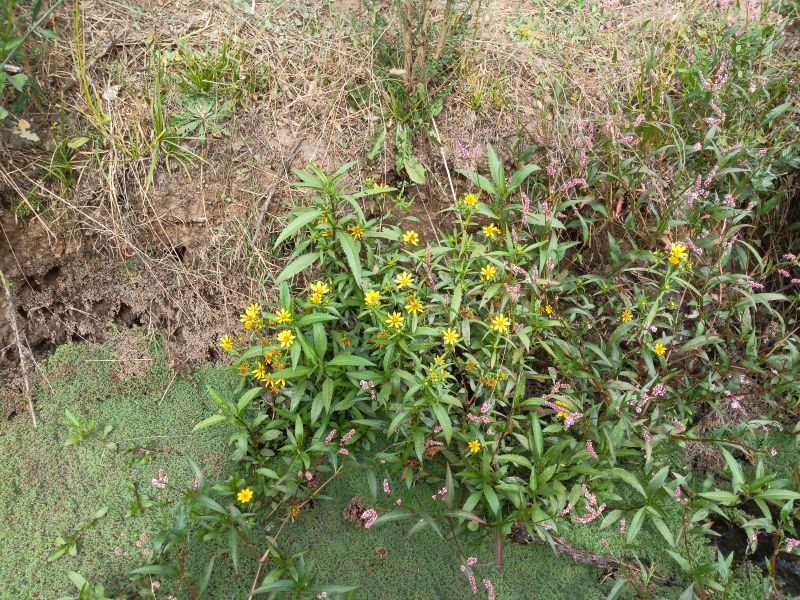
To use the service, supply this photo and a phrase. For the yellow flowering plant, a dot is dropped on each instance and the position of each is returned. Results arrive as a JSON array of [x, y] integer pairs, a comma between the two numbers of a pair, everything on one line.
[[489, 364]]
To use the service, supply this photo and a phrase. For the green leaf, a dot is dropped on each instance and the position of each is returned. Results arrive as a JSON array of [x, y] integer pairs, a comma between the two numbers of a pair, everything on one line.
[[414, 169], [301, 220], [699, 341], [491, 498], [736, 470], [296, 266], [517, 459], [349, 360], [247, 398], [628, 478], [351, 249], [444, 420], [721, 496], [778, 495], [209, 422], [635, 526], [663, 529]]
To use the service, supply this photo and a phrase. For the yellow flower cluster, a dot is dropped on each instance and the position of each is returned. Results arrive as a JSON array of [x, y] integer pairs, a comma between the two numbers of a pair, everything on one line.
[[283, 316], [404, 280], [252, 319], [286, 338], [319, 290], [490, 231], [226, 343], [488, 272], [563, 414], [450, 336], [372, 298], [414, 306], [395, 320], [411, 237], [677, 253], [500, 324], [357, 231]]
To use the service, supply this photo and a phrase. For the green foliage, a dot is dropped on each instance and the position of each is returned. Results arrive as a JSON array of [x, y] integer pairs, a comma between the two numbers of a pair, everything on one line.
[[20, 21], [448, 351]]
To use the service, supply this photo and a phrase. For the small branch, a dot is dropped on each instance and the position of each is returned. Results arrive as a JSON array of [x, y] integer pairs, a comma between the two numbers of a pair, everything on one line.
[[12, 318]]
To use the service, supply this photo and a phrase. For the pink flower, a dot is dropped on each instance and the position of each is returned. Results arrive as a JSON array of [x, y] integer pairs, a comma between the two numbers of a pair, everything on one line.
[[683, 501], [471, 561], [386, 489], [773, 452], [344, 451], [489, 589], [590, 449], [471, 578], [369, 516], [347, 436], [330, 437], [791, 544], [622, 524], [161, 481], [573, 183]]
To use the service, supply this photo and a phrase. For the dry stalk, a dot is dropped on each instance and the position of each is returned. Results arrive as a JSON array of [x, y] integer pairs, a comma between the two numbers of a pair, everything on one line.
[[12, 318]]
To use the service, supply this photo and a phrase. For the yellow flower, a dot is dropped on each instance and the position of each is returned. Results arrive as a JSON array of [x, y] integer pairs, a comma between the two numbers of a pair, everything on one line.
[[475, 446], [414, 306], [660, 349], [450, 336], [326, 233], [274, 384], [244, 496], [286, 338], [346, 340], [490, 231], [500, 323], [252, 319], [470, 200], [316, 298], [283, 316], [243, 368], [226, 343], [395, 320], [411, 237], [438, 360], [320, 287], [404, 280], [677, 252], [626, 316], [548, 310], [259, 372], [357, 231], [372, 298], [488, 272], [563, 414]]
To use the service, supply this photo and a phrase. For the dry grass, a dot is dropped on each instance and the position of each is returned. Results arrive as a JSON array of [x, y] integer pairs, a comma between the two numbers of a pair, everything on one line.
[[200, 233]]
